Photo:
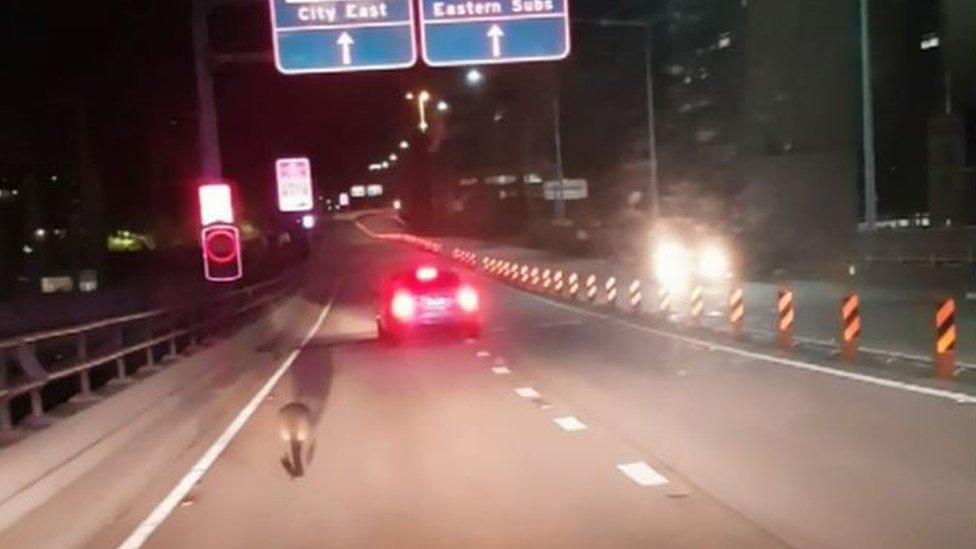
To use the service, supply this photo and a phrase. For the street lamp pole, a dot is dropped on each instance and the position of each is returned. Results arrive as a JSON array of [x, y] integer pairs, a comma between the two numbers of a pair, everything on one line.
[[651, 132], [558, 141], [653, 189], [867, 122]]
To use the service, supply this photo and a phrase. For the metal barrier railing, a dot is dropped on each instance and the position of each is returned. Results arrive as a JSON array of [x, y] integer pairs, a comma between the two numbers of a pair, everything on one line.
[[33, 362]]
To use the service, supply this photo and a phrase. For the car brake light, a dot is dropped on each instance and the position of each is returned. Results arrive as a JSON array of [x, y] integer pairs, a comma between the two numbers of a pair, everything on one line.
[[402, 306], [426, 274], [467, 299]]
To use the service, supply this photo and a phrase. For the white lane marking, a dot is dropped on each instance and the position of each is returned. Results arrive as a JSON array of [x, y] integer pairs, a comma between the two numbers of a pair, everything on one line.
[[570, 423], [642, 473], [955, 396], [864, 348], [165, 507], [483, 354], [501, 370], [527, 392]]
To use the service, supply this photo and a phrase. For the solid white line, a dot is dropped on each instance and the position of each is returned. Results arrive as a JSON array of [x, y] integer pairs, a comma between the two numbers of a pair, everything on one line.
[[955, 396], [527, 392], [501, 370], [642, 473], [570, 423], [483, 354], [183, 487]]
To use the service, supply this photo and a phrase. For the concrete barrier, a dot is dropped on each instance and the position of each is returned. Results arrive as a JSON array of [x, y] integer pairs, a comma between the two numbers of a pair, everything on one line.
[[41, 466]]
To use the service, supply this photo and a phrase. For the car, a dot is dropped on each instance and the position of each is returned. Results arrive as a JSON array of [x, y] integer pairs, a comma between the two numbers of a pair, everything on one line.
[[425, 299]]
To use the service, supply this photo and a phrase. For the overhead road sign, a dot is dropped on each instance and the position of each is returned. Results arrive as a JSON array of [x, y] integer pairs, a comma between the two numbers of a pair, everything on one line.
[[294, 184], [321, 36], [474, 32]]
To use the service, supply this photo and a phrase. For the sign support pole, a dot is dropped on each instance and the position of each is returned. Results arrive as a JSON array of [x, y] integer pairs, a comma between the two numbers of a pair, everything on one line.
[[210, 164]]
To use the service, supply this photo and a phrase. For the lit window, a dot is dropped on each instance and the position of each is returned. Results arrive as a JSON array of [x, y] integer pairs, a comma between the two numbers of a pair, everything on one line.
[[929, 41]]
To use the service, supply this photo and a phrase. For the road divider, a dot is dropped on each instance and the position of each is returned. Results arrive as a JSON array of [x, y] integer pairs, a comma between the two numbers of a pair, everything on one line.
[[945, 339], [737, 311], [591, 289], [785, 306], [610, 289], [696, 305], [663, 301], [946, 333], [850, 313], [636, 297]]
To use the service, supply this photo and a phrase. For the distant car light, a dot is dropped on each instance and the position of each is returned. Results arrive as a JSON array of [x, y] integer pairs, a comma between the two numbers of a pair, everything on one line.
[[426, 274], [672, 265], [467, 299], [713, 262], [403, 307]]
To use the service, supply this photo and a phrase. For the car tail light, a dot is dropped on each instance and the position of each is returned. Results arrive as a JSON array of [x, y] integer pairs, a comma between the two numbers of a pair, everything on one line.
[[403, 307], [426, 274], [467, 299]]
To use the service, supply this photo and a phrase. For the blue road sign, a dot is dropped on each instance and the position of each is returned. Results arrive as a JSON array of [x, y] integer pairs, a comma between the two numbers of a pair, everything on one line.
[[313, 36], [474, 32]]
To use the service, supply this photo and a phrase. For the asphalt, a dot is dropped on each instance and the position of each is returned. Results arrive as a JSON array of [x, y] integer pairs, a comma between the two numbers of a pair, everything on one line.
[[432, 445]]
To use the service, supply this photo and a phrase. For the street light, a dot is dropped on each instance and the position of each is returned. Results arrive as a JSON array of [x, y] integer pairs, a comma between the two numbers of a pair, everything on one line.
[[474, 77], [386, 165], [404, 145], [442, 106], [408, 96], [422, 107], [394, 157]]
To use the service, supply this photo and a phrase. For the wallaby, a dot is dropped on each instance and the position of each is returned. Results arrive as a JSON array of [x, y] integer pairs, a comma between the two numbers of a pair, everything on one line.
[[295, 422]]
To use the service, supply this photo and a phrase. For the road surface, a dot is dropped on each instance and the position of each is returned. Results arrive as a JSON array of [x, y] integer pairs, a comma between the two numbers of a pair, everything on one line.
[[457, 443]]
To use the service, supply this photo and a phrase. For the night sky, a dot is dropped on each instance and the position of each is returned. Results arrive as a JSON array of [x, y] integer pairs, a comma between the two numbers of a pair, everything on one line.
[[129, 66]]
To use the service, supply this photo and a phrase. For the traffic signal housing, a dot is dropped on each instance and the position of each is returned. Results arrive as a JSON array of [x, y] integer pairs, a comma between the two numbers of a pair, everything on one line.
[[221, 243]]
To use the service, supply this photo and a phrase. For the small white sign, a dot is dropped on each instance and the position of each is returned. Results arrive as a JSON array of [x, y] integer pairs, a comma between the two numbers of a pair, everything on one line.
[[573, 189], [294, 184], [358, 191], [374, 190], [343, 199]]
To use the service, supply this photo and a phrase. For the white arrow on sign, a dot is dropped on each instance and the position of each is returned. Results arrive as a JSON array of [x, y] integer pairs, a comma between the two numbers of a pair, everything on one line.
[[345, 42], [496, 33]]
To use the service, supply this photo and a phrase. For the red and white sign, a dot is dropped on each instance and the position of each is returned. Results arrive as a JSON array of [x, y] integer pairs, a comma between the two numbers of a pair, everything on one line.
[[294, 184]]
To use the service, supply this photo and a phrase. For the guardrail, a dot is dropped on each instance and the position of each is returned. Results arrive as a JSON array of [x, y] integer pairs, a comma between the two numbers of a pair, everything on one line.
[[32, 363]]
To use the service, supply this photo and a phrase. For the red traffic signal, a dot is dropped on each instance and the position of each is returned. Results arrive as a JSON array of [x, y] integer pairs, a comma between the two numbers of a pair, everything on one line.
[[221, 245]]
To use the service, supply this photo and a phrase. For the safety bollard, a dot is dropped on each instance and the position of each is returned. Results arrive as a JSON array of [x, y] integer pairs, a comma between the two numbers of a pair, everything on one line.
[[557, 283], [785, 305], [611, 292], [535, 276], [945, 340], [525, 274], [663, 301], [850, 315], [546, 280], [591, 290], [636, 296], [573, 285], [737, 311]]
